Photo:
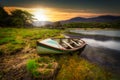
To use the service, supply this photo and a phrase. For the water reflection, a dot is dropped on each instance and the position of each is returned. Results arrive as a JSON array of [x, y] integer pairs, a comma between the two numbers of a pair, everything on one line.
[[112, 33], [103, 47], [108, 58], [107, 44]]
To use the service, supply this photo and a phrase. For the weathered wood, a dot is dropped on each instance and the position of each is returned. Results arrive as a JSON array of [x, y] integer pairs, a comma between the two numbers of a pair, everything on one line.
[[75, 42], [68, 44]]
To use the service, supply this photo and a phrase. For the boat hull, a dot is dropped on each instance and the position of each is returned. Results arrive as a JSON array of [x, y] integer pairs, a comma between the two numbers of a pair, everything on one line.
[[42, 48]]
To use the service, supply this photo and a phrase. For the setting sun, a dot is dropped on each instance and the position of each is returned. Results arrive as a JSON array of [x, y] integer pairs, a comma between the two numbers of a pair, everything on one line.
[[40, 15]]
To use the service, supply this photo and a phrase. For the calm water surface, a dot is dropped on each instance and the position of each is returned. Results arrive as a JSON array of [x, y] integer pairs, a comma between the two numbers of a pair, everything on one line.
[[112, 33], [106, 38], [103, 47], [111, 44]]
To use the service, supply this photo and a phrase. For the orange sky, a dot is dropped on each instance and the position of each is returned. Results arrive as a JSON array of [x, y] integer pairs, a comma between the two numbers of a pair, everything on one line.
[[51, 14]]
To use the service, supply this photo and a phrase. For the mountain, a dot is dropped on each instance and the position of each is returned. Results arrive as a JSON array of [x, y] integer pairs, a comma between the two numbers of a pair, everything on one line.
[[41, 23], [76, 19], [105, 18]]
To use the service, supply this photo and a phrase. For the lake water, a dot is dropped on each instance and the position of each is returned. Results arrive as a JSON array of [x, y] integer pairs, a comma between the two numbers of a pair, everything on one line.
[[111, 44], [106, 38], [112, 33], [103, 47]]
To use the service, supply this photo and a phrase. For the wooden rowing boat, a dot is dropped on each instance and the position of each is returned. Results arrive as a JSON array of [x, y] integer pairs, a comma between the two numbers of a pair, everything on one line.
[[59, 45]]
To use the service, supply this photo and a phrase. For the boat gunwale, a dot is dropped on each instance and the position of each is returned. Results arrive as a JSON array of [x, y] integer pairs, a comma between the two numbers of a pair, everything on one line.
[[73, 49]]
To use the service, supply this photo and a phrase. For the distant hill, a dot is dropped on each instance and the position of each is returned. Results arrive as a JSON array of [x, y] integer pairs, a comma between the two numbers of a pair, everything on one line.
[[105, 18], [77, 19], [41, 23]]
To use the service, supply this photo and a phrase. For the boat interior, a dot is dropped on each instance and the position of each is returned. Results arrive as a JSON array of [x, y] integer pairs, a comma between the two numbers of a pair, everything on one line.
[[69, 43]]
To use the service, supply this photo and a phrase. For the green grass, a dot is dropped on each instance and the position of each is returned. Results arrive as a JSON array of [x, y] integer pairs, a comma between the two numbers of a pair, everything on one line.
[[32, 66], [41, 66], [45, 60], [14, 39], [76, 68]]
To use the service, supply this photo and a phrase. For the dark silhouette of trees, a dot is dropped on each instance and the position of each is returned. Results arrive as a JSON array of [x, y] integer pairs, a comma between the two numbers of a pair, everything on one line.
[[17, 18], [115, 24], [3, 16], [58, 25], [21, 18]]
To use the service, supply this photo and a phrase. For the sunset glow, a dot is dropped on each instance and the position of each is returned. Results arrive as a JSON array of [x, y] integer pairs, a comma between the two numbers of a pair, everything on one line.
[[51, 14], [40, 15]]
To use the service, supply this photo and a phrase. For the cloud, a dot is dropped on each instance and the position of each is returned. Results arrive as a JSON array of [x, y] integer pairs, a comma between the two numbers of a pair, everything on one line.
[[56, 14]]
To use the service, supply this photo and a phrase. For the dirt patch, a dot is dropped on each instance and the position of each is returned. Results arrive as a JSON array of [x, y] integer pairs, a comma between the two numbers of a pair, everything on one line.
[[13, 67]]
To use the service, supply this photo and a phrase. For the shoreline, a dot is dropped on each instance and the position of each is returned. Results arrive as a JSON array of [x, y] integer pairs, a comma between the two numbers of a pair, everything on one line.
[[94, 28]]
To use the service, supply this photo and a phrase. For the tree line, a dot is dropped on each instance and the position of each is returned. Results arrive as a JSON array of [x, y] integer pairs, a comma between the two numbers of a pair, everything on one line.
[[16, 18], [115, 24]]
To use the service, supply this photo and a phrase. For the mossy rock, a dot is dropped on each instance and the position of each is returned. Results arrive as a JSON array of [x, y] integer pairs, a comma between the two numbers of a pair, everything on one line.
[[42, 68]]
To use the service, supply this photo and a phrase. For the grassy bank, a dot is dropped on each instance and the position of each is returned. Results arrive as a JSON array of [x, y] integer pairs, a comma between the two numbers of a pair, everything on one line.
[[13, 40], [77, 68], [17, 46]]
